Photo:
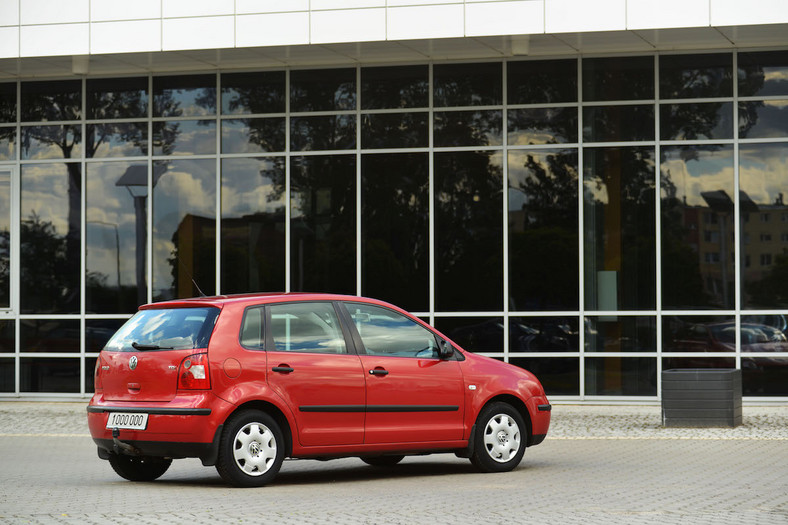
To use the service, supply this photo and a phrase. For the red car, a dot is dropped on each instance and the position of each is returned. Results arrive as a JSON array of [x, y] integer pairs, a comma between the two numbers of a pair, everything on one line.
[[242, 382]]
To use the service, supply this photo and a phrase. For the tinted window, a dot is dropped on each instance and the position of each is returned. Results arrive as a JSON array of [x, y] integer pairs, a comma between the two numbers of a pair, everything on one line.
[[388, 333], [618, 78], [175, 328], [306, 327], [252, 329]]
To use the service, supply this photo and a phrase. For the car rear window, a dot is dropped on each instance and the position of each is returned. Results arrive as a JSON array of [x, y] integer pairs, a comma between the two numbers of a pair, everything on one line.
[[165, 329]]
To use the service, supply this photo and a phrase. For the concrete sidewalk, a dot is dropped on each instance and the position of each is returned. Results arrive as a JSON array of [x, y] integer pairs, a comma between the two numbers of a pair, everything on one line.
[[568, 422]]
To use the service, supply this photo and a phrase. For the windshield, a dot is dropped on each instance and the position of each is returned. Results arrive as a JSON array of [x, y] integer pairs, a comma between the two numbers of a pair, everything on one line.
[[165, 329]]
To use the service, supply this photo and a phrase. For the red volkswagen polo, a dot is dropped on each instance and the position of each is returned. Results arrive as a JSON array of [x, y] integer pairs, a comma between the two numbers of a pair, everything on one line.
[[242, 382]]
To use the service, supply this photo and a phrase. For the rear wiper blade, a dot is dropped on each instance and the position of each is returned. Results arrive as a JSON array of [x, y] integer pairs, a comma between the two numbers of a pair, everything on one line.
[[138, 346]]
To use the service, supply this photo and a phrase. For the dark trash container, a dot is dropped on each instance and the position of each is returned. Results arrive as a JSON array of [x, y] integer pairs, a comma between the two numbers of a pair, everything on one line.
[[701, 397]]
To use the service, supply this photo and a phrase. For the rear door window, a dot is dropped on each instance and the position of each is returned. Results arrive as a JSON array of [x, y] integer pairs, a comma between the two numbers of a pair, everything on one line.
[[306, 327], [165, 329]]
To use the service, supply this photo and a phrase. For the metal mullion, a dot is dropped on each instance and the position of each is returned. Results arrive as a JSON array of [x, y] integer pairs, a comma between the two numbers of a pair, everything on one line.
[[288, 157], [359, 253], [149, 200], [218, 182], [737, 234], [83, 236], [505, 208], [431, 189], [581, 232], [658, 224]]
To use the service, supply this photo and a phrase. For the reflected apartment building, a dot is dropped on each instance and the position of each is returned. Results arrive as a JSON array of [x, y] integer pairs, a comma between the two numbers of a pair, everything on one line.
[[594, 191]]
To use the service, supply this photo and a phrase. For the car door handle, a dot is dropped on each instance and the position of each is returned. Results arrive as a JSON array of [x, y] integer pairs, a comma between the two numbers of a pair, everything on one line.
[[379, 372], [283, 369]]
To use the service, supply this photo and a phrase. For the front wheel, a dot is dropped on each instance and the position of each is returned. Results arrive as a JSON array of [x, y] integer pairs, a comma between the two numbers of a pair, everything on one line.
[[139, 468], [500, 438], [251, 450]]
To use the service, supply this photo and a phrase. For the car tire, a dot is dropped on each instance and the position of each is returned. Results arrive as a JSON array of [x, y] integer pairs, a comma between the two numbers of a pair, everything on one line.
[[139, 468], [500, 438], [251, 449], [382, 461]]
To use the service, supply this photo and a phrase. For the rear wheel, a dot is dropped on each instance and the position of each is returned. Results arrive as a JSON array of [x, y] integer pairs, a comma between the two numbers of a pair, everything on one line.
[[139, 468], [251, 450], [382, 461], [500, 438]]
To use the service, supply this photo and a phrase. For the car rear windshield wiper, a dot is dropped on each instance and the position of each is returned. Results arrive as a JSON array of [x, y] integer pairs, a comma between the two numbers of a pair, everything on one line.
[[138, 346]]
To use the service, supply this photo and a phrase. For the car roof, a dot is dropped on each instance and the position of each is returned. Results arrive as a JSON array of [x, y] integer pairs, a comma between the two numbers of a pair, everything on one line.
[[258, 298]]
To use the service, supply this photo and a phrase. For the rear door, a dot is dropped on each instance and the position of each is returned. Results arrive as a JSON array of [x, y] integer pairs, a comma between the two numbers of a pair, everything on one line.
[[413, 396], [313, 367]]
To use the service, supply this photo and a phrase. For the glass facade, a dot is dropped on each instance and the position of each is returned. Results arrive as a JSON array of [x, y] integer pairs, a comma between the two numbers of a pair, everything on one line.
[[595, 220]]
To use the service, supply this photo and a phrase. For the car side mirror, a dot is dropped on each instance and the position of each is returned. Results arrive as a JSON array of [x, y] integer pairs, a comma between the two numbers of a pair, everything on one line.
[[445, 350]]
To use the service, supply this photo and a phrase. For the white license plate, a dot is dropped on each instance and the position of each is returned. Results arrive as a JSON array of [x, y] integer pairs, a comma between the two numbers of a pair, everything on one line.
[[127, 420]]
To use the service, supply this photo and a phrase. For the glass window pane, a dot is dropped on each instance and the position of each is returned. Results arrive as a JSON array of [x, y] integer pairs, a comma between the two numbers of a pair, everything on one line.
[[97, 333], [764, 216], [253, 225], [7, 375], [696, 76], [696, 333], [5, 241], [252, 334], [542, 81], [8, 143], [764, 376], [474, 334], [618, 194], [394, 130], [560, 376], [110, 98], [394, 87], [253, 135], [119, 139], [184, 229], [323, 223], [260, 92], [468, 128], [763, 119], [306, 327], [184, 96], [543, 250], [90, 366], [621, 334], [763, 73], [49, 335], [467, 84], [51, 101], [618, 78], [395, 229], [333, 132], [184, 137], [542, 126], [698, 250], [323, 90], [677, 363], [621, 376], [8, 102], [115, 236], [543, 334], [468, 231], [51, 142], [7, 336], [712, 120], [618, 123], [52, 375], [50, 237], [387, 333]]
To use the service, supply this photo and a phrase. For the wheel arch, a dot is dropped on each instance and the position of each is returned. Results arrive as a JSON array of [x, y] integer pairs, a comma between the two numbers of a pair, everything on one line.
[[518, 405], [273, 411]]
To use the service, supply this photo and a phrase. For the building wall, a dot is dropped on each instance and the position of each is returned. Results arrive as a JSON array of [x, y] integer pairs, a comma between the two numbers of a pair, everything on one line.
[[37, 28]]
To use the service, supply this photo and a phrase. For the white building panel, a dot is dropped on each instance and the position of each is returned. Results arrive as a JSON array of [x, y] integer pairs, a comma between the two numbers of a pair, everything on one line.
[[318, 5], [738, 12], [277, 29], [666, 14], [134, 36], [59, 39], [433, 21], [102, 11], [572, 16], [243, 7], [348, 25], [198, 33], [54, 11], [9, 42], [9, 13], [184, 8], [400, 3], [504, 18]]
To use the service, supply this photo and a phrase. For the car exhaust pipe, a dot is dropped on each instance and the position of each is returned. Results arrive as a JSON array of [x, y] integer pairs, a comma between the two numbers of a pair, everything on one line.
[[119, 447]]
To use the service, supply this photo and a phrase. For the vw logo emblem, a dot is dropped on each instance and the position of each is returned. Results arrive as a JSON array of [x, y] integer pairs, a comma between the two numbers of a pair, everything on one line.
[[133, 362]]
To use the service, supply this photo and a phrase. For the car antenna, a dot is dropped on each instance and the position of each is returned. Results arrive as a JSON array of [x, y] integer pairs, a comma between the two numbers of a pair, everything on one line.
[[185, 269]]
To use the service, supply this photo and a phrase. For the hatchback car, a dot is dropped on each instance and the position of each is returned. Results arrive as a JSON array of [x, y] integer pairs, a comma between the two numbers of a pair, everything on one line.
[[242, 382]]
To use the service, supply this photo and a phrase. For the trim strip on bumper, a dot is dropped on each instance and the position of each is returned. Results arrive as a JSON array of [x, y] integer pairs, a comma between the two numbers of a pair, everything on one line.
[[153, 411]]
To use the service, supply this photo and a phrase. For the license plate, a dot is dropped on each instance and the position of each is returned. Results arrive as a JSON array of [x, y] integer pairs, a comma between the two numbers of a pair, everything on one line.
[[127, 420]]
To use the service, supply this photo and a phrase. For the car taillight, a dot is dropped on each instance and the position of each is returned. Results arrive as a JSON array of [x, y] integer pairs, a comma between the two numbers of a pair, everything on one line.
[[193, 373]]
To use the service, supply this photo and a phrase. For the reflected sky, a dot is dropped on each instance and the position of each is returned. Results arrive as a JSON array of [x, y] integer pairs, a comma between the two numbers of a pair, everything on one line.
[[697, 169]]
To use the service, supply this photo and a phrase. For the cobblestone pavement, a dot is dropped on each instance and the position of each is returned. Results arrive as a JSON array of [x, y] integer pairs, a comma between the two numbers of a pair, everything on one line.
[[599, 465]]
